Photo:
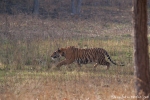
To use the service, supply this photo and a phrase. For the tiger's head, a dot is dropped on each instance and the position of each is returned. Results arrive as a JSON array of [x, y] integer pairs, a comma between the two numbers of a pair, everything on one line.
[[58, 53]]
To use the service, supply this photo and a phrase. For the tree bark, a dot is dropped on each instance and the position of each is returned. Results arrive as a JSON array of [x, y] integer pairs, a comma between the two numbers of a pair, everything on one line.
[[76, 6], [73, 11], [79, 2], [36, 7], [141, 58]]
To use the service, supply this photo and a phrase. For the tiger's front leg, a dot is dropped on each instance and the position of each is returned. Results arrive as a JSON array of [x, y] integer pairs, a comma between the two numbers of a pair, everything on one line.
[[64, 62], [79, 67]]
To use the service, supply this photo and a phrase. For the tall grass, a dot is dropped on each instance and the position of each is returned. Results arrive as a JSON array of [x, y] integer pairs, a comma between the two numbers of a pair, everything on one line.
[[27, 71], [38, 52]]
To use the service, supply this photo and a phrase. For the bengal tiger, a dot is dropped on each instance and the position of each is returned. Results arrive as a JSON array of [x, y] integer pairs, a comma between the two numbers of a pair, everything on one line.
[[82, 56]]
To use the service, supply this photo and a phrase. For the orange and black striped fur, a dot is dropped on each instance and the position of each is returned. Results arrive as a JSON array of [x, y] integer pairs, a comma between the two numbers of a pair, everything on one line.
[[82, 56]]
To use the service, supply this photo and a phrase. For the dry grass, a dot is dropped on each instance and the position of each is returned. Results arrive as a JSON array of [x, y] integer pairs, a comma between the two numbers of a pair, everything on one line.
[[26, 69], [61, 85], [38, 84]]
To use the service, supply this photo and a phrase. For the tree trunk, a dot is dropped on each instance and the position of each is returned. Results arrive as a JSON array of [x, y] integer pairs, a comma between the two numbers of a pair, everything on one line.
[[36, 7], [73, 10], [79, 2], [76, 6], [141, 58]]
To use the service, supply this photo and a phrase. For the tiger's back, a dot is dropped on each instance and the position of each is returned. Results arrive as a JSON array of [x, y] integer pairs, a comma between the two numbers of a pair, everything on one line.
[[84, 56]]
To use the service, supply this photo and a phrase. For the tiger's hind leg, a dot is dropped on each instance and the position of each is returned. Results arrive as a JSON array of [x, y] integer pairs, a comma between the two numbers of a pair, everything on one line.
[[108, 65], [104, 62]]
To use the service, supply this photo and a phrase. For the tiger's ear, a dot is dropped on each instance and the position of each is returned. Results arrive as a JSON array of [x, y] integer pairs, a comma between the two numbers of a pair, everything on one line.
[[58, 50]]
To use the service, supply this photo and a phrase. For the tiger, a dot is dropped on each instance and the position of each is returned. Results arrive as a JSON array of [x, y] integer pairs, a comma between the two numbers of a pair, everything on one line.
[[83, 56]]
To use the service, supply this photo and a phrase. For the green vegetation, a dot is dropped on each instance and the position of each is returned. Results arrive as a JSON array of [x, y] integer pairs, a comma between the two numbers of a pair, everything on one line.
[[23, 54], [26, 43], [27, 69]]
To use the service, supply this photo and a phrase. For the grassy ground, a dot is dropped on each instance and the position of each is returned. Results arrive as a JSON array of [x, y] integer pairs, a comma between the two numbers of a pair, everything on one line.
[[28, 73], [67, 85], [37, 81]]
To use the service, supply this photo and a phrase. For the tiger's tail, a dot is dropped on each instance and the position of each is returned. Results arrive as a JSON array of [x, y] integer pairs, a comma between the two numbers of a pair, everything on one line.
[[112, 60]]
